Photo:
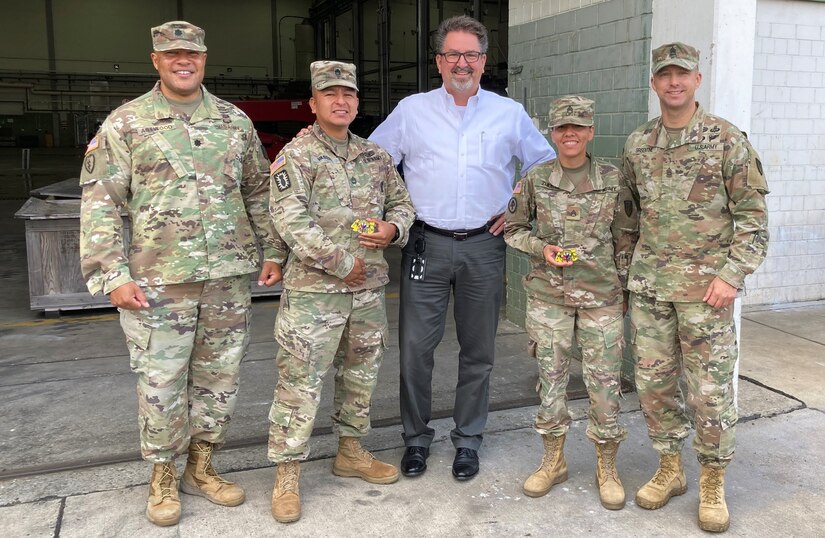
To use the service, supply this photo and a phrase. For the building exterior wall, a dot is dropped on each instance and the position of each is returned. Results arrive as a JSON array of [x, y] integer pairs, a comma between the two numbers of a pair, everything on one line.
[[788, 129], [763, 63], [598, 49]]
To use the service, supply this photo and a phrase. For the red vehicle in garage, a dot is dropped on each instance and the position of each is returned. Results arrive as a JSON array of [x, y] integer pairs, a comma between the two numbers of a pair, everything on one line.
[[277, 120]]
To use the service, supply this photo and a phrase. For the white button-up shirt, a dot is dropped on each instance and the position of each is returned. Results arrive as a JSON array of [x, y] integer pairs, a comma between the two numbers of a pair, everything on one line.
[[459, 165]]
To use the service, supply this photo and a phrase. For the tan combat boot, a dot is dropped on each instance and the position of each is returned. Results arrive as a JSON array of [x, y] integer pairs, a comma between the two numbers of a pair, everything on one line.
[[553, 468], [713, 511], [286, 495], [355, 461], [668, 481], [611, 491], [163, 508], [200, 478]]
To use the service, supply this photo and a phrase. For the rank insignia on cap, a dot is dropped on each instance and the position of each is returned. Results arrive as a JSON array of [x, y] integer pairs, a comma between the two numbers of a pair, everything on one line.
[[277, 163], [93, 144], [672, 52], [178, 32], [338, 72], [282, 180], [517, 188], [570, 109]]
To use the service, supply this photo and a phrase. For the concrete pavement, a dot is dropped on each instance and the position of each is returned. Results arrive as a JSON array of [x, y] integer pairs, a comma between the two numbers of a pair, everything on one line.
[[775, 485]]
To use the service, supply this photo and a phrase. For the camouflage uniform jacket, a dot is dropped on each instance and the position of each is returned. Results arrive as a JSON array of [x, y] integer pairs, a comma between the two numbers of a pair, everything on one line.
[[599, 223], [196, 193], [701, 205], [316, 196]]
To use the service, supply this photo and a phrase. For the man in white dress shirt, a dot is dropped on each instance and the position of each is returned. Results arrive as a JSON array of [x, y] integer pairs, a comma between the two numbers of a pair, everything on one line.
[[458, 146]]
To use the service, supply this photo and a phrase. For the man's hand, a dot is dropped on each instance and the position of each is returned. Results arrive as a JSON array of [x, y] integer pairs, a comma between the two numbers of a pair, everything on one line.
[[550, 256], [303, 132], [498, 224], [270, 274], [720, 294], [384, 232], [358, 275], [128, 296]]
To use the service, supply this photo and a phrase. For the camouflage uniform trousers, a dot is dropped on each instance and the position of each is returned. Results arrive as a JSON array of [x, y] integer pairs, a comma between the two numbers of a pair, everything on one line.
[[669, 339], [186, 349], [600, 336], [316, 331]]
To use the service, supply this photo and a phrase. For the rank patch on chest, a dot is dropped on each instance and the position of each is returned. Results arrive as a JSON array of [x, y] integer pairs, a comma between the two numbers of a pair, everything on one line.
[[574, 213], [282, 180]]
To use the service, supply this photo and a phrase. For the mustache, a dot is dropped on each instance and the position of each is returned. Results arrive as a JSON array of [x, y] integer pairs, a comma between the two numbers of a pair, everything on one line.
[[467, 70]]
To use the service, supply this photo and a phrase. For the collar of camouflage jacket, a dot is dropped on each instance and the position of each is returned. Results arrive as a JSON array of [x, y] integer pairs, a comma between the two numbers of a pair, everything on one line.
[[354, 149], [163, 110], [558, 180], [691, 134]]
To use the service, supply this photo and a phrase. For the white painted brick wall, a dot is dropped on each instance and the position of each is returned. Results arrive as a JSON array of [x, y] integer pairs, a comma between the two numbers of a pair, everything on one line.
[[788, 130]]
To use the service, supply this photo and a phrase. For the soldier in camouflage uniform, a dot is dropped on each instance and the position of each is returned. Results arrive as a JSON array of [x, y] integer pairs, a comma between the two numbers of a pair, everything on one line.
[[329, 188], [580, 250], [701, 193], [188, 169]]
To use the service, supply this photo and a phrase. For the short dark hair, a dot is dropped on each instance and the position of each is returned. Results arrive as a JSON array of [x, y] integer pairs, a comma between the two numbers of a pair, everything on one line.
[[461, 23]]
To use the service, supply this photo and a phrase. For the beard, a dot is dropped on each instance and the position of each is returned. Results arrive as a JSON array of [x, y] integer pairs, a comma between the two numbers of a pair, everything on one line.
[[459, 86]]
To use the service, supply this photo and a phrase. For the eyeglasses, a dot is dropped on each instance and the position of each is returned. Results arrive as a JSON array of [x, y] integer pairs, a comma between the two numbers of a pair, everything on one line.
[[453, 57]]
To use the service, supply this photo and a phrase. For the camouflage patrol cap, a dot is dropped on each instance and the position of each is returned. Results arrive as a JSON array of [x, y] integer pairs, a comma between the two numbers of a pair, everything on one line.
[[571, 110], [326, 73], [178, 35], [674, 54]]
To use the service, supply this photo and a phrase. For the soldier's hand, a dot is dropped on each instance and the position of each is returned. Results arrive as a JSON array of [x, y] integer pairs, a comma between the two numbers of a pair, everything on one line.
[[384, 233], [358, 275], [128, 296], [720, 294], [303, 132], [550, 256], [270, 274], [498, 224]]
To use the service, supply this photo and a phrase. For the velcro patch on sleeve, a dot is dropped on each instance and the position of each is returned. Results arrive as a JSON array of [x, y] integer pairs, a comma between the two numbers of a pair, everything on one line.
[[512, 205], [93, 145], [277, 164], [281, 179]]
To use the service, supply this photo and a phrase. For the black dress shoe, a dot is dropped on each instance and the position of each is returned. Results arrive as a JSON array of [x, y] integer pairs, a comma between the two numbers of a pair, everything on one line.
[[465, 464], [414, 461]]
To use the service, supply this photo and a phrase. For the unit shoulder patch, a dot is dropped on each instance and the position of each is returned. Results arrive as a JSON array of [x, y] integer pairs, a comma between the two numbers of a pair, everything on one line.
[[282, 181]]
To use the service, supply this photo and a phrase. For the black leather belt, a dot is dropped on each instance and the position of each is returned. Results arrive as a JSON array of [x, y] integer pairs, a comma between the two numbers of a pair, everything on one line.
[[458, 235]]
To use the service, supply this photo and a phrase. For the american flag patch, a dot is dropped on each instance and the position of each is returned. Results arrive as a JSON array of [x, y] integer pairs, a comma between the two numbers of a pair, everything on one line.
[[517, 188], [279, 161], [93, 143]]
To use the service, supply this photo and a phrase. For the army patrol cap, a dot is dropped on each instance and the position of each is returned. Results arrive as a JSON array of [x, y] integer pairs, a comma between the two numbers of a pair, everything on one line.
[[175, 35], [326, 73], [674, 54], [571, 110]]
